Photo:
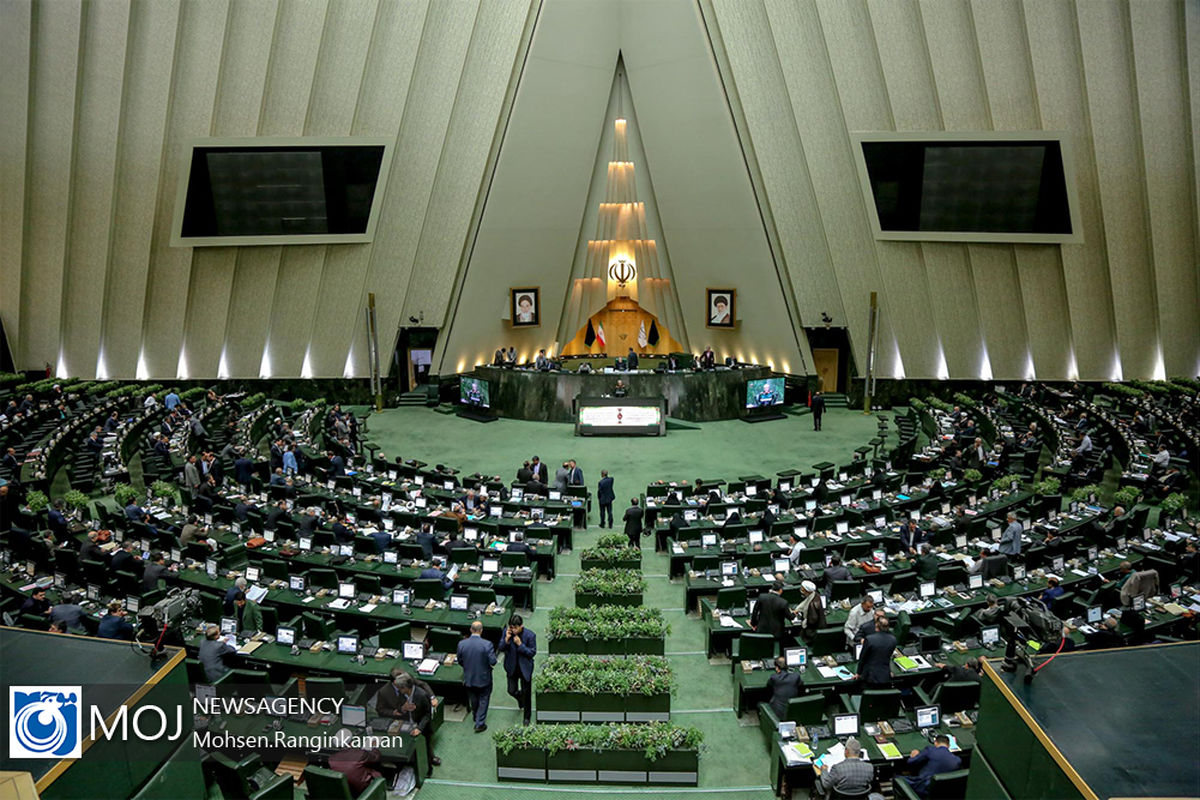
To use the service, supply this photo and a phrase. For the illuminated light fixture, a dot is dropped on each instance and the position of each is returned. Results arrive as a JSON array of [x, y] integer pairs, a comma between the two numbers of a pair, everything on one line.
[[462, 363], [1160, 367], [897, 362], [1030, 370], [60, 369], [1117, 373], [143, 372], [348, 369], [943, 371], [622, 270], [101, 366], [306, 370], [985, 366], [222, 366], [264, 366], [1072, 367]]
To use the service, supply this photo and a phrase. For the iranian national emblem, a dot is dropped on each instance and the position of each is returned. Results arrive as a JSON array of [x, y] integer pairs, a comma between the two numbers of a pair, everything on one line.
[[622, 272], [43, 721]]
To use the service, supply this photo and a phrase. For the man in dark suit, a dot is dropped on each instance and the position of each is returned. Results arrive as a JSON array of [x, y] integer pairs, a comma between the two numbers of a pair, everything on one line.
[[817, 406], [875, 661], [476, 656], [519, 647], [605, 497], [243, 469], [633, 523], [155, 568], [574, 474], [708, 359], [933, 760], [783, 686], [402, 699], [525, 473], [771, 612], [541, 472], [631, 360]]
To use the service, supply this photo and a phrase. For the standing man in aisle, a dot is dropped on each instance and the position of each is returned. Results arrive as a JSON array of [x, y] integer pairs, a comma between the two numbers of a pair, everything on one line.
[[633, 523], [476, 656], [817, 405], [605, 497], [519, 647]]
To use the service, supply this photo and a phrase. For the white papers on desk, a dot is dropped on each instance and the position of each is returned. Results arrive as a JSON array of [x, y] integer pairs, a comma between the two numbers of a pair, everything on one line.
[[1079, 572], [340, 603], [729, 622], [428, 666], [676, 549], [833, 756], [367, 609], [796, 753], [256, 593], [839, 672]]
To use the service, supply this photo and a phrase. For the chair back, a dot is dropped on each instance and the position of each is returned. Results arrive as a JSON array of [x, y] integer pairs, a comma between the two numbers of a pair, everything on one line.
[[393, 637], [949, 785], [514, 560], [904, 582], [756, 646], [326, 784], [879, 704], [324, 688], [443, 640], [704, 563], [481, 595], [428, 589], [731, 597], [955, 696], [827, 641], [806, 710], [845, 590]]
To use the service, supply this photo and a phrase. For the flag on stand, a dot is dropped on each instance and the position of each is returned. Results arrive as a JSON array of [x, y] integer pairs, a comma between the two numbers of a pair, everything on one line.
[[642, 334], [600, 334], [653, 337], [590, 337]]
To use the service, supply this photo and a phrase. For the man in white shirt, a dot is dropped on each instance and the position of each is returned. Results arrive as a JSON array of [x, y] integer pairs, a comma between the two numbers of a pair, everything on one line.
[[1162, 458], [855, 619], [1085, 446]]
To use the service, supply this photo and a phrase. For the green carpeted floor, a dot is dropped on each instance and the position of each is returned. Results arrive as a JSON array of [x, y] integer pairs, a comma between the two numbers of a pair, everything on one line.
[[735, 759]]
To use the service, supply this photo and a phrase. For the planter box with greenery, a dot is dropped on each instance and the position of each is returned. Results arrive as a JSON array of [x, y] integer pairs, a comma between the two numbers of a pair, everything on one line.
[[612, 551], [618, 587], [608, 630], [655, 753], [579, 688]]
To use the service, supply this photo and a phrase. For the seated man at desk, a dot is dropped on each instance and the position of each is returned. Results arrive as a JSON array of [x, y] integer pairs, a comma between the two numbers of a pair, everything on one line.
[[357, 764], [783, 686], [212, 654], [853, 777], [434, 570], [933, 760], [836, 571], [620, 390]]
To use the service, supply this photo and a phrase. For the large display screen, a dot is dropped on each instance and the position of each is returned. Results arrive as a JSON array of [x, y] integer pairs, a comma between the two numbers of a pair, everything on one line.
[[267, 191], [474, 392], [764, 392], [624, 417]]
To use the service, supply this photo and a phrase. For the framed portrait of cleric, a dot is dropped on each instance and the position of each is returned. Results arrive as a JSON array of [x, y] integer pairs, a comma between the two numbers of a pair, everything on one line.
[[720, 312], [524, 307]]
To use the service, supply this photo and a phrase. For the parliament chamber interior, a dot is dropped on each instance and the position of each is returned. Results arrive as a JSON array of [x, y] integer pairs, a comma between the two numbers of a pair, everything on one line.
[[561, 398]]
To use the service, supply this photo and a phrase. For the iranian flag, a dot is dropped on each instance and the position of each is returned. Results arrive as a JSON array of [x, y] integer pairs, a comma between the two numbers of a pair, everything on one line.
[[600, 334]]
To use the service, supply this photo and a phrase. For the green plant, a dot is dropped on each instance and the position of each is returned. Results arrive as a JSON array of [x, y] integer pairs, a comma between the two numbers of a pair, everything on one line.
[[165, 490], [1085, 492], [972, 476], [1189, 383], [917, 403], [610, 581], [963, 400], [1153, 387], [611, 548], [253, 401], [1127, 497], [75, 499], [36, 500], [192, 395], [124, 494], [1006, 483], [939, 404], [654, 739], [1174, 503], [1122, 389], [607, 622], [619, 675], [1047, 486]]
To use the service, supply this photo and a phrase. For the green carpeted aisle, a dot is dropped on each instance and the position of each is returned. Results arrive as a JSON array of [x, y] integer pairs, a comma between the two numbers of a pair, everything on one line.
[[734, 762]]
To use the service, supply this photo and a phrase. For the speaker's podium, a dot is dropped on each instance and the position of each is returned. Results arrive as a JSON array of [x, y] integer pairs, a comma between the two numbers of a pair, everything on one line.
[[1121, 723], [53, 687]]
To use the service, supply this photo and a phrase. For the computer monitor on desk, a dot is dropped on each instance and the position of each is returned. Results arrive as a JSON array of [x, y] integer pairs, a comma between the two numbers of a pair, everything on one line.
[[729, 569], [845, 725], [928, 717], [296, 583], [1094, 615], [285, 635], [708, 540], [458, 602], [928, 588], [347, 645], [354, 716], [401, 597], [413, 651], [755, 537], [783, 565], [228, 626], [346, 590], [876, 595], [795, 656], [975, 581], [990, 636], [491, 565]]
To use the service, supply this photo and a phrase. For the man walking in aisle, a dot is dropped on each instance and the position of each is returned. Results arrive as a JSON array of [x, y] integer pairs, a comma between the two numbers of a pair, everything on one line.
[[476, 656], [605, 497], [519, 646], [817, 405]]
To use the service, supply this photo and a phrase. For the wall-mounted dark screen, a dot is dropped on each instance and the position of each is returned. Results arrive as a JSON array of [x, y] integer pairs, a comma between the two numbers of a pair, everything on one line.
[[1010, 187], [281, 191]]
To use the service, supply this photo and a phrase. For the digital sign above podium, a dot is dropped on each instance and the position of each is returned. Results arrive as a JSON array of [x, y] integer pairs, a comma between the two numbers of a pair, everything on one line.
[[620, 416]]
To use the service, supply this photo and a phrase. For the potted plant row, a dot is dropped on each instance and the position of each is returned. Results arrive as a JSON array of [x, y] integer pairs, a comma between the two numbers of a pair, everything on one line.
[[608, 630], [611, 551], [578, 688], [616, 587], [615, 753]]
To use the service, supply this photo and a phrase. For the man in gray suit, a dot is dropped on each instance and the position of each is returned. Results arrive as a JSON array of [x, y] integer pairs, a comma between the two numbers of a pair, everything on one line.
[[560, 477], [476, 656], [1010, 540], [212, 654]]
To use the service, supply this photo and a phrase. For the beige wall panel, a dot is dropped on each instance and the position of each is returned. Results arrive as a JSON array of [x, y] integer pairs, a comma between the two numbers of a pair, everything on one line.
[[239, 100], [249, 319], [1116, 134], [903, 54], [16, 38], [1047, 319], [1001, 308], [550, 144], [93, 193], [295, 298], [865, 106], [293, 63], [804, 57], [145, 105], [1054, 51], [1013, 105], [197, 64], [54, 76], [744, 27], [709, 214], [954, 58], [1162, 91], [955, 307], [485, 78], [337, 95]]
